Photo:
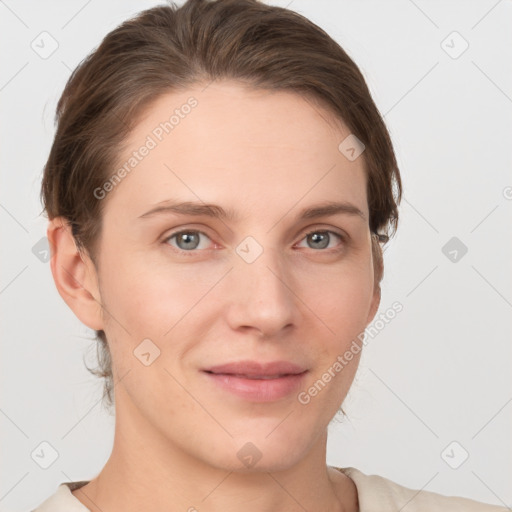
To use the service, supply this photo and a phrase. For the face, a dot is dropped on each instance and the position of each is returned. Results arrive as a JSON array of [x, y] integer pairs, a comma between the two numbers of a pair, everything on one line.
[[185, 290]]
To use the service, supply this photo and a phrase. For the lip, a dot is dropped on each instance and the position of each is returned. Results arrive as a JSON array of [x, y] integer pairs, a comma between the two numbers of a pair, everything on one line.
[[241, 379], [256, 368]]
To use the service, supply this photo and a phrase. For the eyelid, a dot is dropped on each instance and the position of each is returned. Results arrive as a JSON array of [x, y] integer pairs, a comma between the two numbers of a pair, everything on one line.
[[314, 229], [324, 229]]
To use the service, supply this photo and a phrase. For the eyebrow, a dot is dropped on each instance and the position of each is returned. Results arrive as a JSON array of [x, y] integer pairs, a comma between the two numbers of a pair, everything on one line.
[[193, 208]]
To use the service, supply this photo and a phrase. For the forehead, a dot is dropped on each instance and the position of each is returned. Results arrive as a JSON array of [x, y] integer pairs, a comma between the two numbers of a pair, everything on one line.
[[231, 143]]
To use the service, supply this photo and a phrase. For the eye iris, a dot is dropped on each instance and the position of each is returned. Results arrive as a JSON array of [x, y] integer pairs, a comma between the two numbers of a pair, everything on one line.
[[188, 237], [322, 237]]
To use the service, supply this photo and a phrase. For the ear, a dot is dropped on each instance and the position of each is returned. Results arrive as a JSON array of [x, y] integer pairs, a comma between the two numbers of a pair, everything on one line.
[[374, 304], [378, 271], [74, 274]]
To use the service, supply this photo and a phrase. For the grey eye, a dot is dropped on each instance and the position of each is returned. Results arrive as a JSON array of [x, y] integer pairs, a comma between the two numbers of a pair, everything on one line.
[[319, 239], [186, 240]]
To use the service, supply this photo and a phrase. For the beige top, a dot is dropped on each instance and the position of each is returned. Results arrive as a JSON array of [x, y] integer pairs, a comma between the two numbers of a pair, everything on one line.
[[375, 493]]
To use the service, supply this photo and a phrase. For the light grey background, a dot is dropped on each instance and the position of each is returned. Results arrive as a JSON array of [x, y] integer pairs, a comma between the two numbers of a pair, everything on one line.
[[438, 373]]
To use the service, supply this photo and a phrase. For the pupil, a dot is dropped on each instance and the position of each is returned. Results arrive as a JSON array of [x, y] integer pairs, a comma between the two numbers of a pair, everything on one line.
[[317, 236]]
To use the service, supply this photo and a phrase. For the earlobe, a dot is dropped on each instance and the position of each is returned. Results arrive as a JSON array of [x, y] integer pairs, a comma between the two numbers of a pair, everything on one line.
[[74, 274]]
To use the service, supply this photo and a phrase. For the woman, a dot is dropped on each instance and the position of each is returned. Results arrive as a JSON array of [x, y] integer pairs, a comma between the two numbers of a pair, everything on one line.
[[218, 190]]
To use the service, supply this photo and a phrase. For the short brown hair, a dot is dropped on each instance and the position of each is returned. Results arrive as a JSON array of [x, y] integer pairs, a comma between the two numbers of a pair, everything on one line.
[[169, 48]]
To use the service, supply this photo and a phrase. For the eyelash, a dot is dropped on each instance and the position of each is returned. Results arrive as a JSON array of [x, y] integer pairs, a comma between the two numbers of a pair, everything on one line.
[[194, 252]]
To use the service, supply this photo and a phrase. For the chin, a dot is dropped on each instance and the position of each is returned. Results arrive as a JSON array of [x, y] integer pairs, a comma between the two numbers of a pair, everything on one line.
[[268, 464], [258, 452]]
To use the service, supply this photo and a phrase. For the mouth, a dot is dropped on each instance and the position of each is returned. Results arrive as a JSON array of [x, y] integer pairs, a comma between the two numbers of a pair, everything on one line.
[[257, 382], [258, 369], [254, 377]]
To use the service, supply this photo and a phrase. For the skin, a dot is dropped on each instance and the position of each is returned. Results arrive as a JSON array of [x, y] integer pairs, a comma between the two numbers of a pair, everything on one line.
[[266, 155]]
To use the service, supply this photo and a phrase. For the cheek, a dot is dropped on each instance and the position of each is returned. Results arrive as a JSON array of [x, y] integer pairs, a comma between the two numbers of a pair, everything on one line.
[[151, 300], [342, 309], [342, 304], [342, 299]]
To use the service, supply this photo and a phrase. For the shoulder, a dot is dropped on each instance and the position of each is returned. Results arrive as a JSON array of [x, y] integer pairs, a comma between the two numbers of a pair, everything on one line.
[[63, 500], [378, 494]]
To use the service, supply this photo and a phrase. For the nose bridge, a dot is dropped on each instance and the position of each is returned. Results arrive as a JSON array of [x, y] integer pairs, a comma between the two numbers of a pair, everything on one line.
[[263, 297]]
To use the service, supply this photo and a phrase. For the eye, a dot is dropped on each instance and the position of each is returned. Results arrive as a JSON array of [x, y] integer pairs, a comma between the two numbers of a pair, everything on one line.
[[190, 240], [320, 239], [187, 240]]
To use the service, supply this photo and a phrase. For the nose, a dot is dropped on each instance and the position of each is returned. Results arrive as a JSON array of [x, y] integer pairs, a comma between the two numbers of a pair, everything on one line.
[[263, 295]]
